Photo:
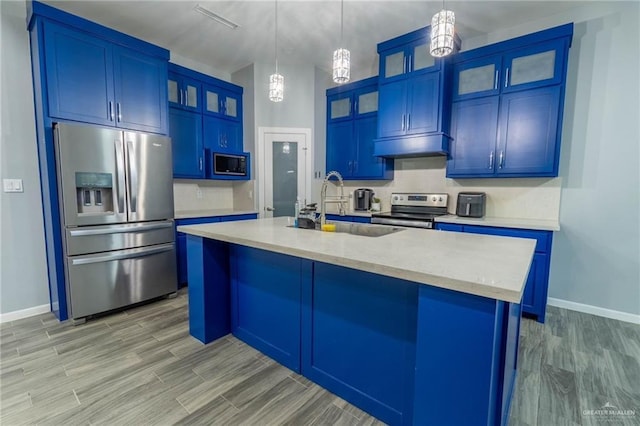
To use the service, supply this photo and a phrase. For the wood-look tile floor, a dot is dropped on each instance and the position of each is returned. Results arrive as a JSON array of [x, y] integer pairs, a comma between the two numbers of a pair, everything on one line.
[[141, 366]]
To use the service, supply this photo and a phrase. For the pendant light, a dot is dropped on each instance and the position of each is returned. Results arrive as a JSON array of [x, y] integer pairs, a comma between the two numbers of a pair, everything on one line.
[[442, 32], [341, 57], [276, 81]]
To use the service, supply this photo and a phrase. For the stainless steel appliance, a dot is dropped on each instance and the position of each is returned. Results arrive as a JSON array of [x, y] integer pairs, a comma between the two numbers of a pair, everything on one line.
[[415, 210], [362, 199], [229, 164], [471, 204], [116, 209]]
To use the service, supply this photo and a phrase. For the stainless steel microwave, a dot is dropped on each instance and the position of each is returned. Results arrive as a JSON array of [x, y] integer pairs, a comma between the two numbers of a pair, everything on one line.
[[229, 164]]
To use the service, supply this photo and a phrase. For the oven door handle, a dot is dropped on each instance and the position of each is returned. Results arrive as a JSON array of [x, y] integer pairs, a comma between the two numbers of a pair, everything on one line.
[[424, 224]]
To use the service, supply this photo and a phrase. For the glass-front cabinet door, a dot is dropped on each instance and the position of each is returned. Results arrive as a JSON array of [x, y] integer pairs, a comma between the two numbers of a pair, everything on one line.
[[339, 107], [477, 78], [395, 63], [220, 102], [183, 93], [534, 66], [420, 58], [366, 102]]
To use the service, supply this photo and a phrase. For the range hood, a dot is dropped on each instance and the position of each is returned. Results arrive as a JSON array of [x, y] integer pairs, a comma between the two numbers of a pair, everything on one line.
[[423, 145]]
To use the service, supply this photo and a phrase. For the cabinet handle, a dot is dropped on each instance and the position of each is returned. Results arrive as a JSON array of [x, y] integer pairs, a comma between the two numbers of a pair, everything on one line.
[[495, 83], [408, 121], [200, 163], [355, 108], [119, 112], [403, 116], [501, 160], [186, 97], [110, 110], [409, 63], [491, 160], [180, 96], [506, 78], [404, 65]]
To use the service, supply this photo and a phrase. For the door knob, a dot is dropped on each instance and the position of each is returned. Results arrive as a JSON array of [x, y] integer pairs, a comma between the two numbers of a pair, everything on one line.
[[270, 209]]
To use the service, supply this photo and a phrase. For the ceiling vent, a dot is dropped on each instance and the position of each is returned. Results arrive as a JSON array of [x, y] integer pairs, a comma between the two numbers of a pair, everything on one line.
[[211, 15]]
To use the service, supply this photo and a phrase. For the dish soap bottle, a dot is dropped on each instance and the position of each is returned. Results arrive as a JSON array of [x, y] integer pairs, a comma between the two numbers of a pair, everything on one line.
[[297, 212]]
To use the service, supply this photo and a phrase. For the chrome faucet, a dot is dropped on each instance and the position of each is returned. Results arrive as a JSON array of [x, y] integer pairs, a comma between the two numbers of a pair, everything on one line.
[[341, 200]]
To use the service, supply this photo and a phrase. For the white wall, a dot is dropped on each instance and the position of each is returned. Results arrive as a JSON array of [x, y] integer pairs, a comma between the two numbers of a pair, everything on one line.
[[298, 109], [23, 266]]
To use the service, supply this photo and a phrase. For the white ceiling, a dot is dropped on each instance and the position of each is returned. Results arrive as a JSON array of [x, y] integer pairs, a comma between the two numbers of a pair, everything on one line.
[[308, 31]]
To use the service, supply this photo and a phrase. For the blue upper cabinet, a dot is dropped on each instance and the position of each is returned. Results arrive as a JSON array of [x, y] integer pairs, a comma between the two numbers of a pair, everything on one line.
[[352, 126], [414, 111], [222, 135], [508, 103], [185, 129], [222, 102], [79, 75], [184, 92], [412, 57], [91, 79], [140, 94], [218, 107]]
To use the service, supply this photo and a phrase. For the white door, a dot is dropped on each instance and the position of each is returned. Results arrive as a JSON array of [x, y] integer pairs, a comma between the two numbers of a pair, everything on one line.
[[284, 169]]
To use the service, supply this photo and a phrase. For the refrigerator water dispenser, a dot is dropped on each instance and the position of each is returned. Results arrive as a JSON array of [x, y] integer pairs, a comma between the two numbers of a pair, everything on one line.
[[94, 193]]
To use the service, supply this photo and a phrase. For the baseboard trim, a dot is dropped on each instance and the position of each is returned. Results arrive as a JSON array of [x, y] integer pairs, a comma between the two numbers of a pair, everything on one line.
[[594, 310], [24, 313]]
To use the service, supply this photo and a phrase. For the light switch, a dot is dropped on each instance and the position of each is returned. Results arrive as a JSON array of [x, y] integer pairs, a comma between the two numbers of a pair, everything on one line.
[[12, 185]]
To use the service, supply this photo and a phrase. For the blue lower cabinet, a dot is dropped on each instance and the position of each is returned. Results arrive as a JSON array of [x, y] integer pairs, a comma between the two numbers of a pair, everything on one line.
[[238, 217], [265, 302], [209, 310], [476, 364], [448, 227], [404, 352], [349, 218], [181, 241], [534, 298], [358, 339]]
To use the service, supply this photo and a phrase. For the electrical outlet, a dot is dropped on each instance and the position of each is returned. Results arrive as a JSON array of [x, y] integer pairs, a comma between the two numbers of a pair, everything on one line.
[[199, 194], [12, 185], [251, 194]]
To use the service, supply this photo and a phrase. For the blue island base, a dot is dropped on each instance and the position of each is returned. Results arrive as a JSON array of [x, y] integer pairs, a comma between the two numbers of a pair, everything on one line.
[[406, 353]]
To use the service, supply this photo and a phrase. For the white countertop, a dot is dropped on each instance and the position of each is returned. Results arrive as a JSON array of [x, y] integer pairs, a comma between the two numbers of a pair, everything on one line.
[[503, 222], [484, 265], [188, 214]]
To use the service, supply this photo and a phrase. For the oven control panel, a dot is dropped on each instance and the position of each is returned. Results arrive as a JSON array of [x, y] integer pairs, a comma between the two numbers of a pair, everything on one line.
[[419, 199]]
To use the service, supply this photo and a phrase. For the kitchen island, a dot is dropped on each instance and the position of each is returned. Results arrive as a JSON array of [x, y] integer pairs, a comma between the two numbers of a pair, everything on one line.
[[414, 327]]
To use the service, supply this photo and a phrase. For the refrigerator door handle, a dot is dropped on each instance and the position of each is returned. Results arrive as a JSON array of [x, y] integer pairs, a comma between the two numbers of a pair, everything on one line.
[[120, 229], [128, 254], [119, 176], [133, 177]]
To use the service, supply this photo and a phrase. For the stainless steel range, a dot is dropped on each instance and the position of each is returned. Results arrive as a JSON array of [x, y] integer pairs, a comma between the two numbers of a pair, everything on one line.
[[415, 210]]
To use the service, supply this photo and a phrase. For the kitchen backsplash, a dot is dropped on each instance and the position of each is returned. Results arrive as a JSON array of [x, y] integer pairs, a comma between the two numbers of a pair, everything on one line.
[[211, 195], [531, 198]]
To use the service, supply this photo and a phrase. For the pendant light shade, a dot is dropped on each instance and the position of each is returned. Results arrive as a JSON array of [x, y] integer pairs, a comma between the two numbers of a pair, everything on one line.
[[276, 87], [341, 56], [276, 80], [341, 65], [442, 33]]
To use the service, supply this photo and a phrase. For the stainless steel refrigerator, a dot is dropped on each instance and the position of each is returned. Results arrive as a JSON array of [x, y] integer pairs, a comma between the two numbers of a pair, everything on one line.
[[116, 209]]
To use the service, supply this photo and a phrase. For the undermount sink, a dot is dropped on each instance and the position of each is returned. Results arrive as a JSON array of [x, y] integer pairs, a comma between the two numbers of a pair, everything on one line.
[[365, 230]]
